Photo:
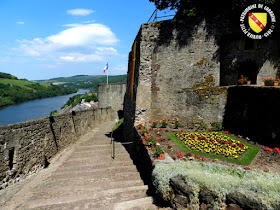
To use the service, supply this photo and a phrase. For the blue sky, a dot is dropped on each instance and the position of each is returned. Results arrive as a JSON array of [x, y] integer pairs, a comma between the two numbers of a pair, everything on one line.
[[43, 39]]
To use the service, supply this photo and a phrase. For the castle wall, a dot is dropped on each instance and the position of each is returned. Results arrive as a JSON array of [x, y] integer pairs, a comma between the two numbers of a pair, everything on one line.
[[185, 68], [28, 146], [254, 59], [171, 60], [111, 95]]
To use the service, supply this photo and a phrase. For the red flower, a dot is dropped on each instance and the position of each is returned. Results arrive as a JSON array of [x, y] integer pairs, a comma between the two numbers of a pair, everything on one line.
[[268, 149], [150, 128], [180, 155], [266, 170], [158, 138], [277, 149], [226, 131], [247, 167]]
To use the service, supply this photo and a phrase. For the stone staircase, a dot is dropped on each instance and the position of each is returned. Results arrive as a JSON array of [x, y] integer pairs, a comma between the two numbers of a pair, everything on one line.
[[85, 176]]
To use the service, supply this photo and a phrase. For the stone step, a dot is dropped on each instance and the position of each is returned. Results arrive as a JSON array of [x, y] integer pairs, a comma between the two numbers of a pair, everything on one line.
[[94, 150], [69, 165], [140, 203], [96, 159], [98, 154], [95, 146], [133, 178], [99, 186], [96, 175], [96, 171], [87, 200]]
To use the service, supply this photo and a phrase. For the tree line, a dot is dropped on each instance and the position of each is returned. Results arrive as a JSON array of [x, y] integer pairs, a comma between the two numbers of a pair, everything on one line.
[[13, 94]]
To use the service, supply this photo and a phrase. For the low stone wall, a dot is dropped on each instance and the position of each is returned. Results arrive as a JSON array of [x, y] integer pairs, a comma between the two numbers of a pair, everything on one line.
[[28, 146], [192, 196]]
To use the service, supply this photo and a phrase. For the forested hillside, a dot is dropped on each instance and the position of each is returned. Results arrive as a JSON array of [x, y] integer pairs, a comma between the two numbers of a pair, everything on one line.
[[85, 81], [14, 90]]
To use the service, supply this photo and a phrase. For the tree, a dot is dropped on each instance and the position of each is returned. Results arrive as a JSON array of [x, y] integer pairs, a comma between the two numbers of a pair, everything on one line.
[[208, 8]]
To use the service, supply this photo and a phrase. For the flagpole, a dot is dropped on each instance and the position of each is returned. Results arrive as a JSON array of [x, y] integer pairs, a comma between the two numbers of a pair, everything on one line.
[[107, 75]]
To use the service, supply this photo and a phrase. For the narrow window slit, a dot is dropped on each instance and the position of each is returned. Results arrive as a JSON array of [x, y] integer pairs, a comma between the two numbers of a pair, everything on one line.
[[11, 157]]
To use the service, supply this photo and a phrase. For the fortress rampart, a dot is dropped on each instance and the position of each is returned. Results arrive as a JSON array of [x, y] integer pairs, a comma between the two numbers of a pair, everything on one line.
[[28, 146], [190, 69]]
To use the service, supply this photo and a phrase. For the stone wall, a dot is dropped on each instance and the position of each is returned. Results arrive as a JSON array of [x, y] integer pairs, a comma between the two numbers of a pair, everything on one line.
[[188, 195], [176, 65], [254, 59], [183, 68], [111, 95], [253, 112], [28, 146]]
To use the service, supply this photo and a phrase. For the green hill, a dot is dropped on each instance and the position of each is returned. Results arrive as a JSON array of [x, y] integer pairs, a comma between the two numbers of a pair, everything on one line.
[[14, 90], [84, 81]]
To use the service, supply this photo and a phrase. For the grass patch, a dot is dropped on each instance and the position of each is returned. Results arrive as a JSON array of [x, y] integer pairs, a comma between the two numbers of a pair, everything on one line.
[[245, 160]]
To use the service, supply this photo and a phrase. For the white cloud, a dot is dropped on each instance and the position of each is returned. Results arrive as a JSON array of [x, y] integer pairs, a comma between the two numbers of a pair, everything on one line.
[[78, 43], [20, 22], [84, 34], [66, 58], [80, 12]]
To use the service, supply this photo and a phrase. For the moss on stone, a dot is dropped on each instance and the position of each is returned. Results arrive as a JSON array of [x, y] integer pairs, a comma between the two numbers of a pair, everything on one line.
[[208, 81], [200, 62]]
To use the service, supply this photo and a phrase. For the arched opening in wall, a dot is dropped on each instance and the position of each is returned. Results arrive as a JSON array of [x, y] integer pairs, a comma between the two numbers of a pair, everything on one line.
[[248, 69]]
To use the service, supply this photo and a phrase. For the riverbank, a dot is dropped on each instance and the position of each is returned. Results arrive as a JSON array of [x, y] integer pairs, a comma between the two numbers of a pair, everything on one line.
[[34, 109]]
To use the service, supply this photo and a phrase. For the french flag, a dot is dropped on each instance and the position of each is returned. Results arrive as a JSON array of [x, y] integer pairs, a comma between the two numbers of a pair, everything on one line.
[[105, 68]]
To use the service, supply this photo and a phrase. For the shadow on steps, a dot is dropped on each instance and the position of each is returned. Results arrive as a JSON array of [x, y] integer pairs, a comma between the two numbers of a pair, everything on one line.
[[141, 160]]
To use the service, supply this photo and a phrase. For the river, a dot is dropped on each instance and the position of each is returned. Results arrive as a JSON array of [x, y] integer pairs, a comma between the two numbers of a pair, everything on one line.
[[34, 109]]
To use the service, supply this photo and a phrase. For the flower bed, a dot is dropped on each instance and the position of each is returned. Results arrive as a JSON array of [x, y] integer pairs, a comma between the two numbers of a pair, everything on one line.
[[153, 135], [215, 145], [213, 142]]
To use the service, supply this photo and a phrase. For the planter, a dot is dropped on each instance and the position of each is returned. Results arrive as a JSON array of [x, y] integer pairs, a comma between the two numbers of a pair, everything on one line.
[[248, 82], [161, 156], [271, 83]]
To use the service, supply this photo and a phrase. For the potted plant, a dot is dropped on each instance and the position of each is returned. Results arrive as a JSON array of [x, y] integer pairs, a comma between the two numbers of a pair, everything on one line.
[[159, 153], [270, 81], [244, 80]]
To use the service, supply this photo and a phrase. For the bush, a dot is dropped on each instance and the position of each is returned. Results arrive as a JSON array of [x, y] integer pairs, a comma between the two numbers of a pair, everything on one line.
[[219, 178]]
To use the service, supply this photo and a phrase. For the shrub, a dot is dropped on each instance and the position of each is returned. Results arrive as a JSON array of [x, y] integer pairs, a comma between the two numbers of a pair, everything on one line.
[[219, 178]]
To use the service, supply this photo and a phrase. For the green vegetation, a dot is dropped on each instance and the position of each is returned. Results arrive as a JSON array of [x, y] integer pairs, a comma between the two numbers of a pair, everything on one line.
[[219, 178], [54, 112], [84, 81], [245, 160], [76, 99], [118, 124], [7, 76], [13, 90], [201, 7]]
